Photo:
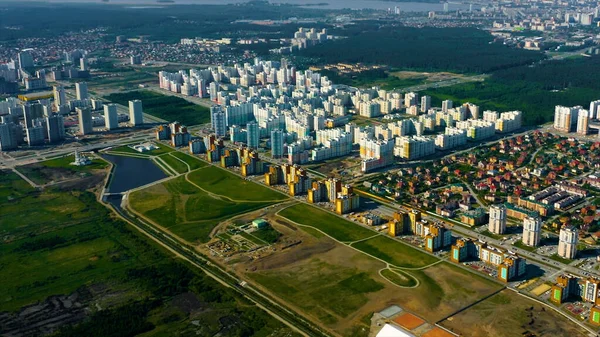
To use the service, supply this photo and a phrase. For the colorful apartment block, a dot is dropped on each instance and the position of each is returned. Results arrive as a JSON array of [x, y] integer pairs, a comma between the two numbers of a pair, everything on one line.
[[510, 265], [474, 217], [437, 237], [400, 224]]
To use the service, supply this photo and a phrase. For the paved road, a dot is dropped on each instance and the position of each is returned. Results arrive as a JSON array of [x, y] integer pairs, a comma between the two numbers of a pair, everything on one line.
[[543, 262], [11, 162]]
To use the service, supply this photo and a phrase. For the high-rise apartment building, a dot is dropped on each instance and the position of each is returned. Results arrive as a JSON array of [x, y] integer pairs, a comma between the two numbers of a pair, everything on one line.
[[447, 105], [218, 120], [81, 90], [532, 227], [567, 242], [497, 224], [55, 126], [35, 135], [85, 120], [253, 135], [136, 114], [111, 118], [425, 103], [595, 109], [583, 121], [60, 97], [83, 64], [25, 59], [414, 147], [277, 142], [565, 118], [11, 135]]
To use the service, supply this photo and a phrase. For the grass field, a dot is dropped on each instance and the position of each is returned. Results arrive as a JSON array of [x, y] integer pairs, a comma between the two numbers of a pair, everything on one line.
[[195, 163], [398, 278], [169, 108], [336, 227], [313, 284], [394, 252], [222, 182], [174, 163], [508, 314], [12, 186], [65, 162], [59, 169], [186, 210], [61, 243], [335, 293]]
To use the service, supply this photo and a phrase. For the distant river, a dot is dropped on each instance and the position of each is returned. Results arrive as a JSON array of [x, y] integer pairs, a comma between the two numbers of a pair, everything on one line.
[[331, 4], [130, 173]]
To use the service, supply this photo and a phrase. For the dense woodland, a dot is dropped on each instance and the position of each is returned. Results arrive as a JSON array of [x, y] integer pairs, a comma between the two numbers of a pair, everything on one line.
[[465, 50], [577, 72], [535, 90], [167, 23]]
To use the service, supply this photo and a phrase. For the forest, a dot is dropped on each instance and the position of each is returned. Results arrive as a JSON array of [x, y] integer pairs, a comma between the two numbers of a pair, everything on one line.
[[464, 50], [535, 89], [568, 73], [169, 23]]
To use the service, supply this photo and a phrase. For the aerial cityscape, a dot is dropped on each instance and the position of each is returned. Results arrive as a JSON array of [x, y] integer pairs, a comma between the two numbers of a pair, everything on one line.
[[300, 168]]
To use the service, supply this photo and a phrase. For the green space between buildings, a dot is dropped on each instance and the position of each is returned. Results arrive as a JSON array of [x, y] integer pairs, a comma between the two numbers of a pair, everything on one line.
[[186, 210], [195, 163], [394, 252], [222, 182], [334, 226], [166, 107], [174, 163]]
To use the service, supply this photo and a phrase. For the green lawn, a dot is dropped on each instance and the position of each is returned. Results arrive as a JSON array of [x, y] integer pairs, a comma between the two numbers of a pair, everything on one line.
[[555, 257], [186, 210], [169, 108], [222, 182], [520, 244], [195, 163], [39, 174], [174, 163], [65, 162], [394, 252], [336, 227], [400, 280]]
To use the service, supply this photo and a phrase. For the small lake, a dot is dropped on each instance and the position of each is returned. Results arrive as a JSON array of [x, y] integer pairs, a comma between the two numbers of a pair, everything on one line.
[[130, 173]]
